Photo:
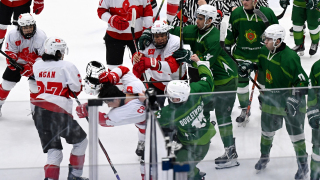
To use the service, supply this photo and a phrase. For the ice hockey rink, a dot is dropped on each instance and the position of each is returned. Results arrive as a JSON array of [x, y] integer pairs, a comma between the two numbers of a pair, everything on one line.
[[77, 22]]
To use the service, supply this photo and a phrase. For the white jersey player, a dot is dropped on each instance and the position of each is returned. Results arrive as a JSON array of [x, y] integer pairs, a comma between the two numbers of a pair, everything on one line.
[[57, 80], [24, 46], [157, 58], [126, 106]]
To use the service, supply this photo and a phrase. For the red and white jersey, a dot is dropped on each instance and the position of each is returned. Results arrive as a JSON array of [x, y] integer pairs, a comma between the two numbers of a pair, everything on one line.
[[14, 3], [123, 8], [172, 9], [134, 110], [169, 65], [27, 50], [55, 81], [130, 113], [131, 84]]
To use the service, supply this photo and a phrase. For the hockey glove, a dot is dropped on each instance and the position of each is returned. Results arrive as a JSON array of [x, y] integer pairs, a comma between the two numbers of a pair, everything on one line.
[[14, 57], [284, 3], [182, 55], [245, 68], [151, 63], [111, 77], [138, 69], [314, 117], [118, 22], [27, 70], [311, 4], [292, 105], [145, 39], [38, 6], [103, 118], [82, 110]]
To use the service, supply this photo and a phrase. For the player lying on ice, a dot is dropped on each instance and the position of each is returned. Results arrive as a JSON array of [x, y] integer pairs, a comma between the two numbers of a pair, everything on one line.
[[126, 106]]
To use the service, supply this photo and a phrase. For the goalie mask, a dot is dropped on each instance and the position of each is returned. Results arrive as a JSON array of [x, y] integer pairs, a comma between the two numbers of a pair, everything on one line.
[[178, 89], [92, 85], [54, 44], [160, 28], [273, 33], [208, 12], [25, 23]]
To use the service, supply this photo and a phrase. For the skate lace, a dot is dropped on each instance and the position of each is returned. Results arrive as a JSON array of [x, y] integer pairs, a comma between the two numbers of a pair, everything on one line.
[[141, 145], [314, 46]]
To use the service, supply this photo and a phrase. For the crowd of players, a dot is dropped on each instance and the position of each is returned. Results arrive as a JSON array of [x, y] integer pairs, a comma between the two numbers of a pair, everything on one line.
[[174, 72]]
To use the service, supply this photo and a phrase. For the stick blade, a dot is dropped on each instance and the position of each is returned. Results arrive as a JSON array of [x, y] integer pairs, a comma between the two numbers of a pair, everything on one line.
[[262, 16]]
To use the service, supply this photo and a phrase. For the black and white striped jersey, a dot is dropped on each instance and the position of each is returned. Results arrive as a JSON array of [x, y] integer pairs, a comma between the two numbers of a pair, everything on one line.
[[190, 7]]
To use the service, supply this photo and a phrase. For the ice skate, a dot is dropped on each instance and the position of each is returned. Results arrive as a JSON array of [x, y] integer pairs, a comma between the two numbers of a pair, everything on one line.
[[313, 49], [140, 148], [73, 177], [291, 30], [302, 172], [243, 119], [202, 174], [299, 48], [262, 163], [228, 159]]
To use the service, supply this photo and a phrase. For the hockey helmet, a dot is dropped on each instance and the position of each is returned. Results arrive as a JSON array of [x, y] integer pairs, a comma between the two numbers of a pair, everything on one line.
[[160, 27], [274, 32], [207, 11], [178, 89], [54, 44], [26, 19]]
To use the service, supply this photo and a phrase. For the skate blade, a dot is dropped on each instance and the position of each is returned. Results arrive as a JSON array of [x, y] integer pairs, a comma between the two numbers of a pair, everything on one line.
[[300, 53], [244, 123], [228, 165]]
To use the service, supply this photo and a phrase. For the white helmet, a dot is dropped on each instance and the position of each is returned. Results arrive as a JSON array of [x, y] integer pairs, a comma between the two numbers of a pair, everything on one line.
[[207, 11], [54, 44], [160, 27], [274, 32], [92, 86], [178, 89], [26, 19]]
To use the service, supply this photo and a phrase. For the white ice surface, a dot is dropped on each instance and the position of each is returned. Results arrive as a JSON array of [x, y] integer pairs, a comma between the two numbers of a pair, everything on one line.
[[77, 23]]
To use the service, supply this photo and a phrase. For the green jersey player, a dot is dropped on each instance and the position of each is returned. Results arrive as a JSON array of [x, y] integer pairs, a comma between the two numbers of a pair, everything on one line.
[[185, 113], [244, 31], [282, 69], [204, 39], [314, 119], [302, 11]]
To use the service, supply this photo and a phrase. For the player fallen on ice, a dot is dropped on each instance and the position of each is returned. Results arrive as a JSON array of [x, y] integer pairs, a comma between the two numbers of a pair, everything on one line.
[[126, 107], [282, 69]]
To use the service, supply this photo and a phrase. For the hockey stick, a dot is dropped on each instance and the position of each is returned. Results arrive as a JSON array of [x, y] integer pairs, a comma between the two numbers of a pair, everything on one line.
[[223, 30], [11, 61], [262, 16], [281, 15], [251, 95], [102, 147], [159, 10], [181, 34], [133, 24]]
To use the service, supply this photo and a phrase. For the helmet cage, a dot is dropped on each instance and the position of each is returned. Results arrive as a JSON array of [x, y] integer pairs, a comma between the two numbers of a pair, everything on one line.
[[160, 27], [24, 20], [92, 86]]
